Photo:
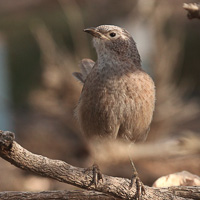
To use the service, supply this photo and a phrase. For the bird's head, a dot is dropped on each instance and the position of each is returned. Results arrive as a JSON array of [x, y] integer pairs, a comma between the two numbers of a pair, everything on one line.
[[113, 41]]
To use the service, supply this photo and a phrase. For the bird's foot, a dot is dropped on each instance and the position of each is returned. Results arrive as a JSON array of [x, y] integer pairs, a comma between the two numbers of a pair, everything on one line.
[[140, 190], [97, 175]]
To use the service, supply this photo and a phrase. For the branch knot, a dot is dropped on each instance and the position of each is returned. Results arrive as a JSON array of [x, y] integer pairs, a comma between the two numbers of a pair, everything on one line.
[[6, 139]]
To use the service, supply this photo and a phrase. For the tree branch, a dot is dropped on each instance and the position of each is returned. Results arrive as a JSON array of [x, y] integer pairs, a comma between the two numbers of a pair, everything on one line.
[[80, 177], [59, 194], [193, 10]]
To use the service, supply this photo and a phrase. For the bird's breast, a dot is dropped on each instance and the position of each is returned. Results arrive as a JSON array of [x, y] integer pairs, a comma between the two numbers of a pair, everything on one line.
[[109, 100]]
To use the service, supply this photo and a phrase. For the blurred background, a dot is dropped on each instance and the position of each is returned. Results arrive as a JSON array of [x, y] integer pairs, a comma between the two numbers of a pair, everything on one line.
[[42, 43]]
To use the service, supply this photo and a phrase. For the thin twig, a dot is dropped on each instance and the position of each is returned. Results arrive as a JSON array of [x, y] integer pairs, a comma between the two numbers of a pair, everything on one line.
[[193, 10]]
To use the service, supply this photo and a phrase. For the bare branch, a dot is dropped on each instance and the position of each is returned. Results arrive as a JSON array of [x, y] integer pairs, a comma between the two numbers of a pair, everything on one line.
[[80, 177], [59, 194], [193, 10]]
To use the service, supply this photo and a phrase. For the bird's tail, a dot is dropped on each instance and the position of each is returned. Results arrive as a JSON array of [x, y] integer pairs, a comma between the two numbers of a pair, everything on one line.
[[86, 66]]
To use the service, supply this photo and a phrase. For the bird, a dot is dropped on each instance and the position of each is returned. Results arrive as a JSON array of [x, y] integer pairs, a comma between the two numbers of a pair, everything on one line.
[[118, 97]]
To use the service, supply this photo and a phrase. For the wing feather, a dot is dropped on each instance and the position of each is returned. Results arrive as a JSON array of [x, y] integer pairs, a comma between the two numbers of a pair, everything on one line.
[[86, 66]]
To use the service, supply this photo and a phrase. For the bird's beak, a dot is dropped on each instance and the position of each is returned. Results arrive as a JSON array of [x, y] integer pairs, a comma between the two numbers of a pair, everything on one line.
[[93, 32]]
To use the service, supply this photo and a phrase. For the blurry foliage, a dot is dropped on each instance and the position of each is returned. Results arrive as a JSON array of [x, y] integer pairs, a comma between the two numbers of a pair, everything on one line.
[[24, 55], [25, 66], [189, 71]]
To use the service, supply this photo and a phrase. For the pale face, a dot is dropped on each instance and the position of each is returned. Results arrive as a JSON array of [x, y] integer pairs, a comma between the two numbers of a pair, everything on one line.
[[114, 41]]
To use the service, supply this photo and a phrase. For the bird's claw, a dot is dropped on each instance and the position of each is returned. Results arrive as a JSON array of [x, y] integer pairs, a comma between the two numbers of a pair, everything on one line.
[[140, 190], [97, 175]]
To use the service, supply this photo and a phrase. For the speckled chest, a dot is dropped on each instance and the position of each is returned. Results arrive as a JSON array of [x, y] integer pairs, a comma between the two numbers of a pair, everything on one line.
[[118, 90]]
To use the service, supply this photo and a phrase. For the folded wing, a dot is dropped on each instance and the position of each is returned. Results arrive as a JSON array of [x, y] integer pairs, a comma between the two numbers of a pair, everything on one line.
[[86, 66]]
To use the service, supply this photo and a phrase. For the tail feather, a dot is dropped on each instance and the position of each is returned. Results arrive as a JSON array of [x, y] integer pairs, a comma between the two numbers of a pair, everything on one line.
[[78, 76], [86, 66]]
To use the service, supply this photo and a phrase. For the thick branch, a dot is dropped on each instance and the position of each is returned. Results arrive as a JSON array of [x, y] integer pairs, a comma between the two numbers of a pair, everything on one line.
[[59, 194], [193, 10], [80, 177]]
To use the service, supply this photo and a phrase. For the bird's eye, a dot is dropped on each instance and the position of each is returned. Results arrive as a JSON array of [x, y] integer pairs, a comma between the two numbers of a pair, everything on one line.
[[112, 34]]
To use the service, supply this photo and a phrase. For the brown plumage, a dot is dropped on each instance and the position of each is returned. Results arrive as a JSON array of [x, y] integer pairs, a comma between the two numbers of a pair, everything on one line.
[[118, 97]]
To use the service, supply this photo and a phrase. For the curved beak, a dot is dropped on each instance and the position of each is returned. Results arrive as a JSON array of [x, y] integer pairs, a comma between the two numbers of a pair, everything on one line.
[[93, 32]]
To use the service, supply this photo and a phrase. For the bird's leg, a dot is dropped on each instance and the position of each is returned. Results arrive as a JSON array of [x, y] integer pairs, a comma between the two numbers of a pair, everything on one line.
[[140, 190], [97, 175]]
